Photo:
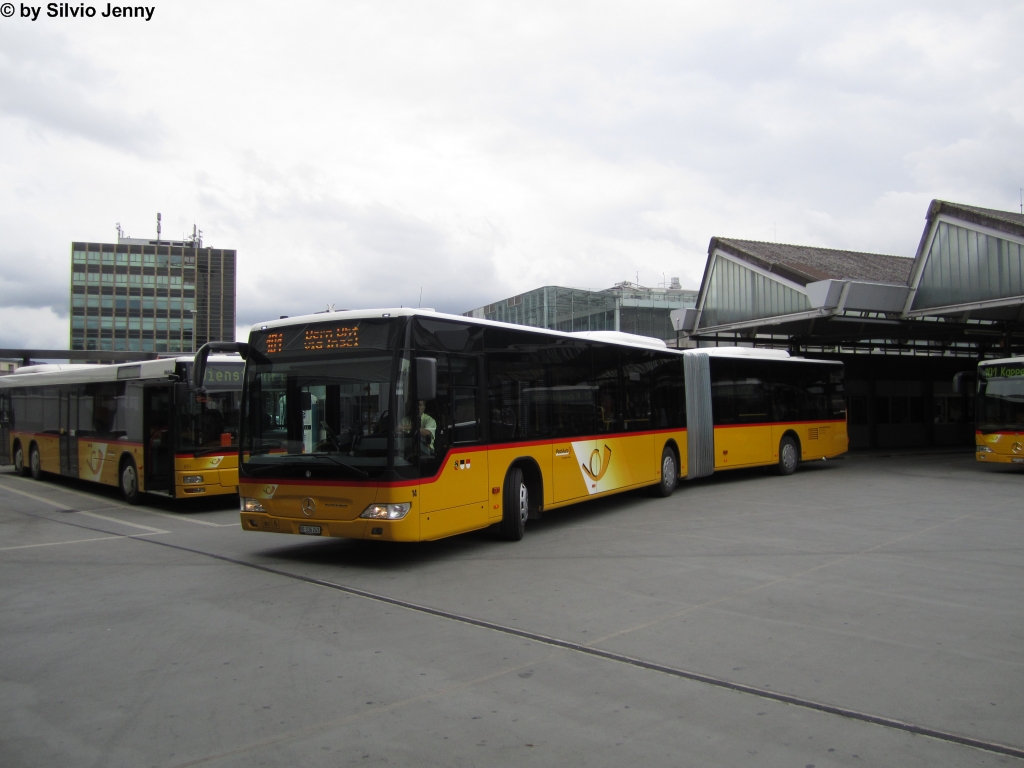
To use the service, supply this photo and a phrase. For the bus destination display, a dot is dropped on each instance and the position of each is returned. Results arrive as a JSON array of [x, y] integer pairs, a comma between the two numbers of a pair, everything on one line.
[[338, 337], [318, 338]]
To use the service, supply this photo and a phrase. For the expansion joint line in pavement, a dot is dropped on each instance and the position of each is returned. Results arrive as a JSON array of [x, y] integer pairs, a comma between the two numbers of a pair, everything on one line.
[[851, 714]]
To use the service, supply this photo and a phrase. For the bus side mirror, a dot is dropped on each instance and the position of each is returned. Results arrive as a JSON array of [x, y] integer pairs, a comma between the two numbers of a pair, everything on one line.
[[964, 383], [199, 362], [426, 378]]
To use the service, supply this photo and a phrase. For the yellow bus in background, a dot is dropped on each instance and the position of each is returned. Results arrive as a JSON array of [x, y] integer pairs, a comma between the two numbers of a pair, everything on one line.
[[999, 411], [410, 425], [138, 426]]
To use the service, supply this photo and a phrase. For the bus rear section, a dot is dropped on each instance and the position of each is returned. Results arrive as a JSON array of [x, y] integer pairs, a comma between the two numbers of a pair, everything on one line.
[[768, 408], [999, 412]]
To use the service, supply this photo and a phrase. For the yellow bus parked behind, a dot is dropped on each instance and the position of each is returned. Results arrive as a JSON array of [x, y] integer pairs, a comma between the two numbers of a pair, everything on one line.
[[999, 411], [138, 426]]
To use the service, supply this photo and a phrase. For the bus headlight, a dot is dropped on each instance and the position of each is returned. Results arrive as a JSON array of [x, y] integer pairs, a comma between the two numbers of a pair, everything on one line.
[[251, 505], [192, 479], [387, 511], [984, 449]]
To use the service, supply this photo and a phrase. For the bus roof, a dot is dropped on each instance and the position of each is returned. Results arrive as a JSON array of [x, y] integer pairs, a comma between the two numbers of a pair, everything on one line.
[[1004, 361], [89, 373], [609, 337]]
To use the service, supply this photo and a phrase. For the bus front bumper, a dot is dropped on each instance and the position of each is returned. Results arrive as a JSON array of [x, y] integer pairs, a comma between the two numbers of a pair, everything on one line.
[[385, 530]]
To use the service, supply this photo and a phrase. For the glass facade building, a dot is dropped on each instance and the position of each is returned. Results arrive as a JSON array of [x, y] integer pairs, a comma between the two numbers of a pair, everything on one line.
[[737, 293], [625, 307], [148, 296], [965, 265]]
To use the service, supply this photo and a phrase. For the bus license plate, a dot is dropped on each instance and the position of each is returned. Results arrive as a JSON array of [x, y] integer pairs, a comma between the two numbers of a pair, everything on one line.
[[310, 530]]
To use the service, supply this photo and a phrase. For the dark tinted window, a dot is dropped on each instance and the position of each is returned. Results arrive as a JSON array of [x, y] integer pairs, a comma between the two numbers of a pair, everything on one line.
[[739, 393]]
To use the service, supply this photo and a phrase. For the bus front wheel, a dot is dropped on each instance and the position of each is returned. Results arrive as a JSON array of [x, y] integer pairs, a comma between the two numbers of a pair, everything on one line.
[[129, 482], [19, 461], [669, 474], [789, 456], [515, 506], [35, 463]]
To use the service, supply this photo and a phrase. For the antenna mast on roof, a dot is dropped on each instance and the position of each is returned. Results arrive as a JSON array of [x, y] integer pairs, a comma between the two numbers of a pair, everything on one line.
[[158, 227]]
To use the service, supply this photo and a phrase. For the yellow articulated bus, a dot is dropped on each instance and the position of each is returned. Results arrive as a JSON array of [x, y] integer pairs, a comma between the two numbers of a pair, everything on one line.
[[410, 425], [999, 411], [139, 426]]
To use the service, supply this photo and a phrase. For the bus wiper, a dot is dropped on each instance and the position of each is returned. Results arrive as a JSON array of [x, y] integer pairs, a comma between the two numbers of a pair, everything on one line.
[[360, 472], [281, 464], [204, 451]]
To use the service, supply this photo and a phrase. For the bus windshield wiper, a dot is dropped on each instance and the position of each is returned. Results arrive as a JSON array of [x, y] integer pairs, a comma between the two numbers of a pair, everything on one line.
[[203, 451], [292, 463]]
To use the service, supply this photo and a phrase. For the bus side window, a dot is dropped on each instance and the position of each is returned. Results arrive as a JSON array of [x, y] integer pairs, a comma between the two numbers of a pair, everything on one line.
[[668, 394], [606, 377]]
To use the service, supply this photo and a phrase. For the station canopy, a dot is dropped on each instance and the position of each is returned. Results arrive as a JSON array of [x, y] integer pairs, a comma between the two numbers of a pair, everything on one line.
[[961, 294]]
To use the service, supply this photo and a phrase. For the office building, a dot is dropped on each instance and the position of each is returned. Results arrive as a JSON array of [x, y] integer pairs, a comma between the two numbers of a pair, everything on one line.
[[151, 295], [623, 307]]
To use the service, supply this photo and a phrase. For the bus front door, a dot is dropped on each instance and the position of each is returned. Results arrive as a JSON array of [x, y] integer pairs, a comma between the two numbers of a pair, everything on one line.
[[156, 428], [68, 433]]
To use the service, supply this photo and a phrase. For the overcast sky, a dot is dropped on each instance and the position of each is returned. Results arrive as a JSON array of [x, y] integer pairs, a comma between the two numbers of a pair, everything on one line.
[[356, 153]]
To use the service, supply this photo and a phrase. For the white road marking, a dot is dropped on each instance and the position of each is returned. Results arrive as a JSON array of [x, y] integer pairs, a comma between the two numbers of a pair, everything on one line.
[[75, 541], [129, 506], [54, 504]]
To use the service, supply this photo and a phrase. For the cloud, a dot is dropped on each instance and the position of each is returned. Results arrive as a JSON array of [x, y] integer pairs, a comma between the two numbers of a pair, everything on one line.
[[355, 153], [56, 91]]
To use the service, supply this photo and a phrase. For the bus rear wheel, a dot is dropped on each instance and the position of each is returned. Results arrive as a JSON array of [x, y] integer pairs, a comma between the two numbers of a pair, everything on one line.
[[129, 482], [19, 461], [669, 474], [789, 456], [35, 463], [515, 506]]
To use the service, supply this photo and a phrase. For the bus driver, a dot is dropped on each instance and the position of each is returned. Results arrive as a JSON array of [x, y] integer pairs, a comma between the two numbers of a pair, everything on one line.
[[427, 427]]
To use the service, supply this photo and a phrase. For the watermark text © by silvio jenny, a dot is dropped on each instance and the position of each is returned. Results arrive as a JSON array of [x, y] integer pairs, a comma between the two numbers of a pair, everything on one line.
[[80, 11]]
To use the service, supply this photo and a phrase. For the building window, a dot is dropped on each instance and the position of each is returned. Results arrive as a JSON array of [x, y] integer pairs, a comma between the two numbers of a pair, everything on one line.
[[93, 257], [78, 257]]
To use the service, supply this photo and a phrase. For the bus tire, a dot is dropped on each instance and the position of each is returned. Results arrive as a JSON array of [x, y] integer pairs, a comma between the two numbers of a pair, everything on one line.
[[789, 456], [20, 467], [128, 481], [515, 506], [35, 462], [669, 474]]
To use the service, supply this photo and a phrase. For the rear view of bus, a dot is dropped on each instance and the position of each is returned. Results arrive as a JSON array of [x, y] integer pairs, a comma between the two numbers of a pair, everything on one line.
[[999, 435]]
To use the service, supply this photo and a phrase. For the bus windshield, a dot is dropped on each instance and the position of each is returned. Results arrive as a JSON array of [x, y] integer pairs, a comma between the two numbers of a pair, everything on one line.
[[316, 412], [330, 413], [1000, 397], [208, 422]]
